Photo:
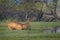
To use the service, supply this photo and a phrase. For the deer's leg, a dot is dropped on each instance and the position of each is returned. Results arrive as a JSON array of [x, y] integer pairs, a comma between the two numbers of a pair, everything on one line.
[[13, 28]]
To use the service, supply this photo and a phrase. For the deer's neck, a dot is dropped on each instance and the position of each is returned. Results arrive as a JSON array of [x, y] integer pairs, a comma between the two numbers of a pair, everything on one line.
[[27, 21]]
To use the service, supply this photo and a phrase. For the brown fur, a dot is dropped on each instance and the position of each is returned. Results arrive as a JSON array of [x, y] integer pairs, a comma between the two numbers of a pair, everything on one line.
[[18, 26], [14, 25]]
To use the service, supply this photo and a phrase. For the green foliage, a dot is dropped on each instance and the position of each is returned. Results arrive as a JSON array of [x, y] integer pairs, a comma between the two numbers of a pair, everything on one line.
[[4, 2], [38, 5], [58, 2]]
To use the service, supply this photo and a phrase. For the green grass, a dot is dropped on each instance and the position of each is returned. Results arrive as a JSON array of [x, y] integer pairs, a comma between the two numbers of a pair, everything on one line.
[[33, 34]]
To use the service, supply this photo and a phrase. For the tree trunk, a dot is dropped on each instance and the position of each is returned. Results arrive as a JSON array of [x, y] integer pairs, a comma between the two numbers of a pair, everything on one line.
[[54, 10]]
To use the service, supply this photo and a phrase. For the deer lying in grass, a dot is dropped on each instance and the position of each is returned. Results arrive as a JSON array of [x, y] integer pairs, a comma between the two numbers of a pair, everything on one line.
[[19, 26]]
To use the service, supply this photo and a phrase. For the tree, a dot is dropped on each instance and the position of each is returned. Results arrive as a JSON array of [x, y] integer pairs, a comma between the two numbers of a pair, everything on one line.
[[40, 15], [54, 9]]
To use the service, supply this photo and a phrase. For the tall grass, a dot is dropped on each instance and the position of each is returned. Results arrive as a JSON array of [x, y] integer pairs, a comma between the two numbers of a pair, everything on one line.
[[33, 34]]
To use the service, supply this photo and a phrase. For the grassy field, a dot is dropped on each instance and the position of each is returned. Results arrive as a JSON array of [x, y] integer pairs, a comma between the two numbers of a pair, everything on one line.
[[33, 34]]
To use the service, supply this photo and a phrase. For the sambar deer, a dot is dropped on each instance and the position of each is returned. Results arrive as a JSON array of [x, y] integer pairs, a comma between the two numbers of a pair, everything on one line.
[[19, 26]]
